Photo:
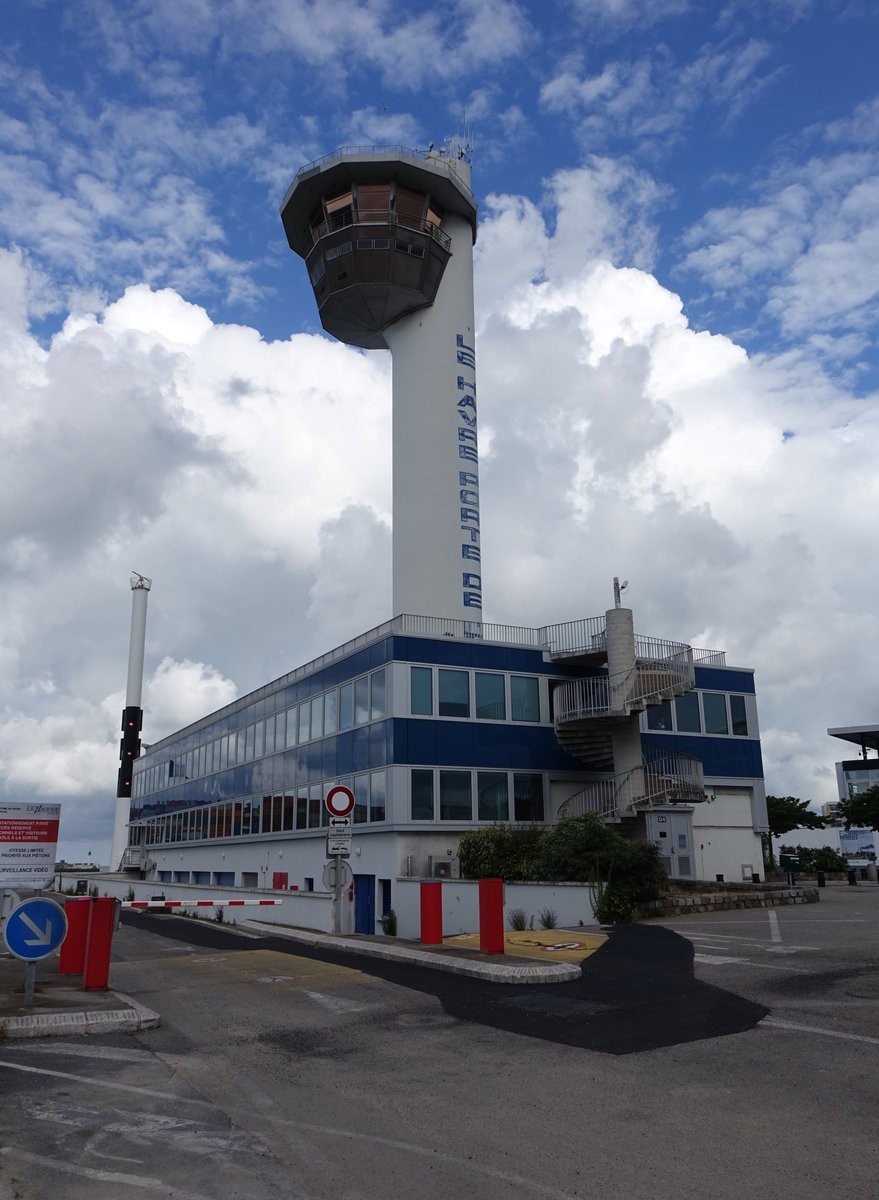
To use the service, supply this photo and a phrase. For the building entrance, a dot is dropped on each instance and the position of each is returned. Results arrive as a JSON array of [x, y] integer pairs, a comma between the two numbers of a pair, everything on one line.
[[364, 904], [670, 829]]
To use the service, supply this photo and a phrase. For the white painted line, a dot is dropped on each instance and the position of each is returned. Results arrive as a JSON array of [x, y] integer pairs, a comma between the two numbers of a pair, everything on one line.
[[774, 931], [716, 960], [66, 1168], [121, 1087], [78, 1050], [336, 1003], [520, 1181], [777, 1023]]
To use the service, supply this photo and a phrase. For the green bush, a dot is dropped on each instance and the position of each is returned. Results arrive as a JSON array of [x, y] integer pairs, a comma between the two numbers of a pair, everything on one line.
[[614, 904], [812, 859], [584, 849], [506, 852], [389, 923], [518, 919]]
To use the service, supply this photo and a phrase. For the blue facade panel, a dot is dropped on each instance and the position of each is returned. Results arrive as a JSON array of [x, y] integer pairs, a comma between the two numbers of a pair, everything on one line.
[[718, 679], [474, 744], [738, 757]]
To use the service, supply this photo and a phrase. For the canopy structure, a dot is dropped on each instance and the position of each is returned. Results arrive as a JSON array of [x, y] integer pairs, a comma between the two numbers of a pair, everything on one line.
[[866, 737]]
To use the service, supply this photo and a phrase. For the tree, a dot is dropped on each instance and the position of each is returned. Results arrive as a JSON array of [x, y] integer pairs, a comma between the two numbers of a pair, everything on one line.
[[787, 813], [861, 810]]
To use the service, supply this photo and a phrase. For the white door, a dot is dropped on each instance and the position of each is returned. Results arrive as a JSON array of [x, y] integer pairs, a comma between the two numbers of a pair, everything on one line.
[[671, 831]]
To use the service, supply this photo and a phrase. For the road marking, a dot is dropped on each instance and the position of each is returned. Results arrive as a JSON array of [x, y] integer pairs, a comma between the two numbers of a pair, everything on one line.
[[141, 1181], [774, 931], [122, 1087], [336, 1003], [719, 960], [110, 1052], [777, 1023], [716, 960], [434, 1155], [190, 1134]]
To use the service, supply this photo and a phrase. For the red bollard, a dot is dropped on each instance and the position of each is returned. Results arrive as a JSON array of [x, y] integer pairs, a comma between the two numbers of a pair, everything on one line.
[[99, 939], [431, 914], [491, 916], [71, 956]]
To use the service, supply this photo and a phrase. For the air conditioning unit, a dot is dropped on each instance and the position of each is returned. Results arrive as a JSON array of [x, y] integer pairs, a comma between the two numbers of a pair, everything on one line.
[[442, 869]]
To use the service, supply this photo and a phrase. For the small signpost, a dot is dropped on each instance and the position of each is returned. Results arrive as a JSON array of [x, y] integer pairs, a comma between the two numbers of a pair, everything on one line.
[[32, 931], [339, 804]]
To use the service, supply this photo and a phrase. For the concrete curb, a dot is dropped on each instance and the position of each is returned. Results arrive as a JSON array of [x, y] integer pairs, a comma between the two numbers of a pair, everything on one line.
[[131, 1019], [490, 972]]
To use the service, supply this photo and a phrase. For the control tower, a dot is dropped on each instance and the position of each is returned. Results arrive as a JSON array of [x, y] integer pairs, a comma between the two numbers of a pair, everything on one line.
[[387, 235]]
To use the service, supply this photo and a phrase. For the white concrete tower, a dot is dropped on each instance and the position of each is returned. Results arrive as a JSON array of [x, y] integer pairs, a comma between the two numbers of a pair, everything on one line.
[[132, 717], [387, 235]]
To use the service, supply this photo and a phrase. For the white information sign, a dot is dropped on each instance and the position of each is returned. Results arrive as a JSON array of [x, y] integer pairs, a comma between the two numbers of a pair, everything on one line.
[[28, 844], [339, 836]]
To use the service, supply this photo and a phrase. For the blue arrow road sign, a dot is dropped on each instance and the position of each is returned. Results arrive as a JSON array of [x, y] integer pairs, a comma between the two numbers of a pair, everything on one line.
[[35, 928]]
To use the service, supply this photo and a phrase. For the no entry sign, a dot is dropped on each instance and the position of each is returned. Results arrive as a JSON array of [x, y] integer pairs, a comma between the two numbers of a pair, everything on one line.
[[339, 801]]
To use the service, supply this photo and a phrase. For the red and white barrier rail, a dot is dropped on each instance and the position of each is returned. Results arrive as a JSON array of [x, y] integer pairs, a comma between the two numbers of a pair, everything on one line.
[[195, 903]]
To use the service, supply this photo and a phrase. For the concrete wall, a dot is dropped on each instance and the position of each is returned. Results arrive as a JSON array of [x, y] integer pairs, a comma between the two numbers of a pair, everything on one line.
[[724, 840], [571, 902]]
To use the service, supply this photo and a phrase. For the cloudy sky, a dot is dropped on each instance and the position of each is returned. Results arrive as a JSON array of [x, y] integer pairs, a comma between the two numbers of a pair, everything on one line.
[[677, 273]]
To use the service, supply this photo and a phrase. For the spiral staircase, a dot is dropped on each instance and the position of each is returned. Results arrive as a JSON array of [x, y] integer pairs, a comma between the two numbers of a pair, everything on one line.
[[597, 716]]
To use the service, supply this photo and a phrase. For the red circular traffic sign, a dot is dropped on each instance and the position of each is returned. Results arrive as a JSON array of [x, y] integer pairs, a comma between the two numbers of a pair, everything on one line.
[[339, 801]]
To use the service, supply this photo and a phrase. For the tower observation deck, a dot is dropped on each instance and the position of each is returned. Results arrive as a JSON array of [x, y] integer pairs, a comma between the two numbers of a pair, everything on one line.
[[387, 236]]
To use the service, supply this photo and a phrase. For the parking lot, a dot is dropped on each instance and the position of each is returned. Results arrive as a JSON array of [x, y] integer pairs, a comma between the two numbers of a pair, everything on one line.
[[282, 1074]]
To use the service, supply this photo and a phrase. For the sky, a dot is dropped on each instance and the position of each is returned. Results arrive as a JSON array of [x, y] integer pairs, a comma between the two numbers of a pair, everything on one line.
[[677, 270]]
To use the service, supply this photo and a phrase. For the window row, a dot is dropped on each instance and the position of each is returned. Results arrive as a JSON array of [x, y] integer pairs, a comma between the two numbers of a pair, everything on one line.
[[489, 696], [438, 794], [286, 813], [714, 713], [354, 703]]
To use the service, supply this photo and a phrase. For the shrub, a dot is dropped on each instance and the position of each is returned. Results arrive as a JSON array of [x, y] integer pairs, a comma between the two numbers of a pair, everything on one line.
[[614, 904], [518, 919], [548, 918], [389, 923], [500, 852], [812, 859]]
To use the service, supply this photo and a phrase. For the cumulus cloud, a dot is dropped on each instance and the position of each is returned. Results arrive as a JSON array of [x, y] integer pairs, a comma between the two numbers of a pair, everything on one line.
[[251, 480]]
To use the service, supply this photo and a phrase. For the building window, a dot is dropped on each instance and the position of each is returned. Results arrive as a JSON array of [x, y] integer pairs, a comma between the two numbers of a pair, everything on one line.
[[317, 717], [687, 715], [305, 722], [421, 691], [714, 708], [361, 700], [659, 716], [454, 694], [739, 716], [422, 795], [331, 711], [361, 798], [290, 740], [377, 791], [270, 736], [490, 701], [528, 797], [493, 803], [456, 803], [377, 695], [524, 698], [346, 706]]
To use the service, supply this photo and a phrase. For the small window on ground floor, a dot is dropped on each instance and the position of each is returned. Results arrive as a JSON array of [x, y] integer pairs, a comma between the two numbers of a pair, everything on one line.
[[422, 795], [493, 802], [528, 797], [456, 801]]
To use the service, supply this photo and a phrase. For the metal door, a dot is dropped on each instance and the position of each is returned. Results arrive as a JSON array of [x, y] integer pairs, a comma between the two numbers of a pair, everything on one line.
[[671, 831], [364, 904]]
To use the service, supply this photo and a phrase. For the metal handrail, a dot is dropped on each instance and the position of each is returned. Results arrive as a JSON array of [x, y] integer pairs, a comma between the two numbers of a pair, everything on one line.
[[668, 778], [384, 217], [379, 152]]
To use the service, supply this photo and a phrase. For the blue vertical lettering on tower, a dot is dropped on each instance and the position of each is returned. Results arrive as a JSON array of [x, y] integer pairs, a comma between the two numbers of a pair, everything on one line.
[[468, 480]]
